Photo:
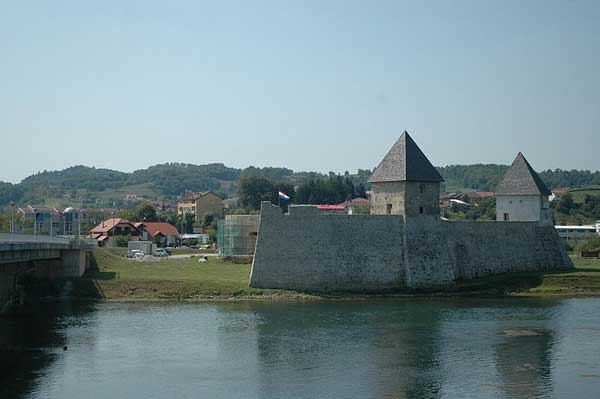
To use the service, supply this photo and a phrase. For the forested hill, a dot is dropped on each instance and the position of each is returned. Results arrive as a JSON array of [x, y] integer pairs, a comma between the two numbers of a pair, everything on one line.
[[104, 186], [478, 177], [482, 177]]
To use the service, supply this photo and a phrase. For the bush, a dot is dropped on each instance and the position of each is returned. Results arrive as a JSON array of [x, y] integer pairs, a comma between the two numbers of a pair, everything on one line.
[[569, 247], [591, 244], [121, 241]]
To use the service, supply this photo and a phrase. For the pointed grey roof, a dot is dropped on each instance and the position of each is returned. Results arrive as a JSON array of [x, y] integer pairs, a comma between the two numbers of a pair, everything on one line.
[[405, 162], [521, 179]]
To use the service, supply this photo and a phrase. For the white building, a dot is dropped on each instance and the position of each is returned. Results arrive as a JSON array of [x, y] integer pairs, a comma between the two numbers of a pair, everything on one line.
[[522, 196], [571, 233]]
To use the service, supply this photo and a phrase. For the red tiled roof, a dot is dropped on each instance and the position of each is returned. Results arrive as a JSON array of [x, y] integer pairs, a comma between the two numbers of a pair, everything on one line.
[[356, 202], [331, 207], [560, 191], [108, 224], [155, 228], [195, 196]]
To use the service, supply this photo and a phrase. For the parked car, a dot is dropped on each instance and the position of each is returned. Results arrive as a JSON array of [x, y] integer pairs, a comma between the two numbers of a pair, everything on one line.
[[139, 255], [131, 254], [161, 252]]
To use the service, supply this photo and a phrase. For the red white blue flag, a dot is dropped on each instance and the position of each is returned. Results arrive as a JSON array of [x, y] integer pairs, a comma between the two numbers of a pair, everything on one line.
[[283, 195]]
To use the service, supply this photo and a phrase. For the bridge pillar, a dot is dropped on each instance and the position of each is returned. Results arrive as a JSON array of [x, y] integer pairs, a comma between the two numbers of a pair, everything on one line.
[[6, 286], [74, 262], [9, 290]]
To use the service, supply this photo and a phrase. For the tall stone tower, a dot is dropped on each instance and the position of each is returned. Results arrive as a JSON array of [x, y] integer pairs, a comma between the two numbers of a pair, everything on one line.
[[521, 195], [405, 182]]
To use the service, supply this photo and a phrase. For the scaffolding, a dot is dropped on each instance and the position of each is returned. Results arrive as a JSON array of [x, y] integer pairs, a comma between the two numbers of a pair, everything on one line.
[[236, 235]]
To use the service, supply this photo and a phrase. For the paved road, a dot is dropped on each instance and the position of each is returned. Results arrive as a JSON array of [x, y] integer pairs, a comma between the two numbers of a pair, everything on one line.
[[186, 256]]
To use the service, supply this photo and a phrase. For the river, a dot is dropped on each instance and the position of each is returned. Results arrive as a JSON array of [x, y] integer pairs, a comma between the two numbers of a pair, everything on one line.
[[410, 348]]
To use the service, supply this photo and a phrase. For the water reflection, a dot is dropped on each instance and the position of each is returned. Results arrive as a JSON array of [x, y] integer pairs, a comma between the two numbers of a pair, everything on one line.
[[370, 350], [523, 361], [29, 345], [373, 349]]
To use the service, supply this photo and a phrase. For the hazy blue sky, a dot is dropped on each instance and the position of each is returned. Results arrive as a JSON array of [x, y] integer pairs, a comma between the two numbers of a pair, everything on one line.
[[311, 85]]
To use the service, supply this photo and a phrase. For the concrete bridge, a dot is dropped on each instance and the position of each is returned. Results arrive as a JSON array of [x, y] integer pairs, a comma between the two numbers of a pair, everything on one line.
[[43, 256]]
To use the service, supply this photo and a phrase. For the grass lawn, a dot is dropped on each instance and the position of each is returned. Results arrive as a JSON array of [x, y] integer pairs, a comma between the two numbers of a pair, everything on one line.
[[120, 278], [584, 280], [124, 279], [187, 251], [579, 194]]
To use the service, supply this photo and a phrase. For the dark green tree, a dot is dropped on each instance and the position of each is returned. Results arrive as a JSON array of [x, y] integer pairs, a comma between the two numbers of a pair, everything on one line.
[[208, 219], [188, 222], [146, 212], [253, 190]]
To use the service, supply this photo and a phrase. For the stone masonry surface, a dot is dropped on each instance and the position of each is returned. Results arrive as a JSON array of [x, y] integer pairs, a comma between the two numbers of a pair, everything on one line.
[[309, 249]]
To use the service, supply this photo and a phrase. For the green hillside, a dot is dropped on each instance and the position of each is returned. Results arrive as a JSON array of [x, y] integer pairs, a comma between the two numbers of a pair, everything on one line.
[[95, 187]]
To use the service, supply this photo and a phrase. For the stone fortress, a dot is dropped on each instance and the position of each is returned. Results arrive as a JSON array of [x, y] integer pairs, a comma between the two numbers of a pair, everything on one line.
[[404, 243]]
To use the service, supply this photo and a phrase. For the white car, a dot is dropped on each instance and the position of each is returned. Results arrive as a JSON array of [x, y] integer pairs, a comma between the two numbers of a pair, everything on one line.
[[131, 253], [139, 255], [161, 253]]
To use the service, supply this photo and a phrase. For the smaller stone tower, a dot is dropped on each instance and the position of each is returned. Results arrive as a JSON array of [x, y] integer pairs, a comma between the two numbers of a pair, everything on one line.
[[405, 182], [522, 196]]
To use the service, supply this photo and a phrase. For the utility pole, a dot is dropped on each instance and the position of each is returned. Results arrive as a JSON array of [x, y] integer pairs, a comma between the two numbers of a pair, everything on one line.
[[12, 217], [34, 224], [112, 214]]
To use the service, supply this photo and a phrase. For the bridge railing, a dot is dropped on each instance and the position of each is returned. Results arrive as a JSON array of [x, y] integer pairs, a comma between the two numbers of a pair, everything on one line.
[[9, 238]]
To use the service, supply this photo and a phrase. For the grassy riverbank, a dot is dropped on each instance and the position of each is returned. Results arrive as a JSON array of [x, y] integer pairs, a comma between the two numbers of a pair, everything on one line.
[[118, 278], [583, 281]]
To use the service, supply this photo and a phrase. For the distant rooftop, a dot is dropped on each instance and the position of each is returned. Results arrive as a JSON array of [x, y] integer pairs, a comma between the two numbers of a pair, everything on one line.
[[356, 202]]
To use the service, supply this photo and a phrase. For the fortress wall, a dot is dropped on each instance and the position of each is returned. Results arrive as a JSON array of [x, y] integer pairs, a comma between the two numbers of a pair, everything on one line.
[[310, 249], [481, 248], [427, 254]]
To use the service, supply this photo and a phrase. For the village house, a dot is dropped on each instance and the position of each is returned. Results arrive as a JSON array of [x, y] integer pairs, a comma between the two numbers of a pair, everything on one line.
[[161, 233], [39, 219], [187, 204], [106, 231], [200, 204]]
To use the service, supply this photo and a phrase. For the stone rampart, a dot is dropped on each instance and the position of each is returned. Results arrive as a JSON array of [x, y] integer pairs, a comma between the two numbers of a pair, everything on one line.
[[309, 249], [481, 248]]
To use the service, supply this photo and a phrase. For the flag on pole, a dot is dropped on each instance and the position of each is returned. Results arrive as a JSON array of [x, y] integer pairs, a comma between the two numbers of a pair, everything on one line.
[[283, 195]]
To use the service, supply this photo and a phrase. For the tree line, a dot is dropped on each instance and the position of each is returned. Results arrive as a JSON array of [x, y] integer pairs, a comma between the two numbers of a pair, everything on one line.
[[334, 189], [169, 180], [567, 211]]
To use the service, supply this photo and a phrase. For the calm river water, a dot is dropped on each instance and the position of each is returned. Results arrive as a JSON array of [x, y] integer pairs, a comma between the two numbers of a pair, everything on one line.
[[416, 348]]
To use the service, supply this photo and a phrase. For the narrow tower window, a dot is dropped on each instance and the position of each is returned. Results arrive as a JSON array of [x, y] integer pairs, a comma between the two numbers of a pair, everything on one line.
[[421, 210], [389, 209], [420, 189], [506, 217]]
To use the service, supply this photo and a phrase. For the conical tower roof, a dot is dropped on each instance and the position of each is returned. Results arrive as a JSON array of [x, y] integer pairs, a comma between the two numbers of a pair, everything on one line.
[[521, 179], [405, 162]]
